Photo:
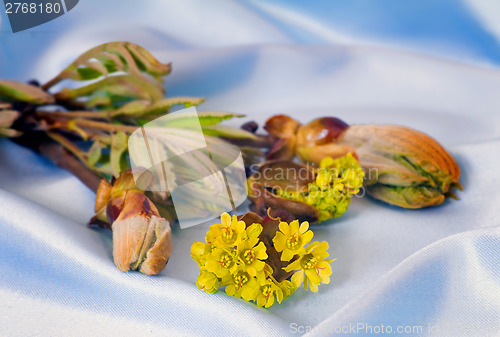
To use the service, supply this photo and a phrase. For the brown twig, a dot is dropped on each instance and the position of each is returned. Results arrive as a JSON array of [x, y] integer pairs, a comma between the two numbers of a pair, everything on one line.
[[65, 160], [51, 83], [68, 145]]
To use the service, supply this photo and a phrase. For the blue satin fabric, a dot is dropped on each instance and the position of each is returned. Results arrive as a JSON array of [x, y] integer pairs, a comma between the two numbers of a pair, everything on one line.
[[428, 65]]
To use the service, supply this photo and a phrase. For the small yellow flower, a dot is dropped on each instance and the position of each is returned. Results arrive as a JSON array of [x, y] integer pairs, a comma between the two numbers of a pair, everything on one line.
[[210, 237], [314, 265], [200, 251], [251, 256], [228, 233], [253, 231], [291, 239], [221, 262], [287, 287], [243, 285], [268, 292], [207, 281]]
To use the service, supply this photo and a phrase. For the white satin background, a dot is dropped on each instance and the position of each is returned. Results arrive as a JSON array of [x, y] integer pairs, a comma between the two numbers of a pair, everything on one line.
[[435, 268]]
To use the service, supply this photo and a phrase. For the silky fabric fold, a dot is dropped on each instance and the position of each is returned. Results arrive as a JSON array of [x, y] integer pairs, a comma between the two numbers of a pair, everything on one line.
[[435, 268]]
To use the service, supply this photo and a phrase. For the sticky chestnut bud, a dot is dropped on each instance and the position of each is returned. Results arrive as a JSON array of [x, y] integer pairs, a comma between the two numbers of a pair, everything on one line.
[[403, 167]]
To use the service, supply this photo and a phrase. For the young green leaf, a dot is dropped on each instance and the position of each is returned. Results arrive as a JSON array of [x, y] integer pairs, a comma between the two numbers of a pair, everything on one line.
[[165, 104], [94, 154], [132, 109], [18, 91], [183, 120], [120, 85], [109, 58], [147, 62], [92, 71], [227, 132], [215, 117], [118, 149]]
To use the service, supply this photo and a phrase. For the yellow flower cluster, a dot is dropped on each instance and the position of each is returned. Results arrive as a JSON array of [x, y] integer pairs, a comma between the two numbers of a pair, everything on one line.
[[337, 180], [234, 257]]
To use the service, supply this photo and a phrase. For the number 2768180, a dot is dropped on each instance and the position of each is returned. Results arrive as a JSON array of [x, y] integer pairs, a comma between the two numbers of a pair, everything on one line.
[[32, 8]]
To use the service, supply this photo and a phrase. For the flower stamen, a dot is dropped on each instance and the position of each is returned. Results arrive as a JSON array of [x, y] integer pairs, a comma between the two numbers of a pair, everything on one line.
[[293, 242], [248, 256], [226, 261], [241, 279], [227, 235]]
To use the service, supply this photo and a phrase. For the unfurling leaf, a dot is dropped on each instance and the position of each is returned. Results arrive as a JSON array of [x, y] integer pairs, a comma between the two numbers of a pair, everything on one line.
[[132, 109], [109, 58], [118, 149], [165, 104], [204, 118], [215, 117], [94, 154], [18, 91], [227, 132], [126, 86], [149, 110]]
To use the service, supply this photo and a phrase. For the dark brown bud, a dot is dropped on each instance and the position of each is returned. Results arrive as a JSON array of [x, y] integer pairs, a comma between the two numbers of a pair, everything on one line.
[[283, 176], [283, 129]]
